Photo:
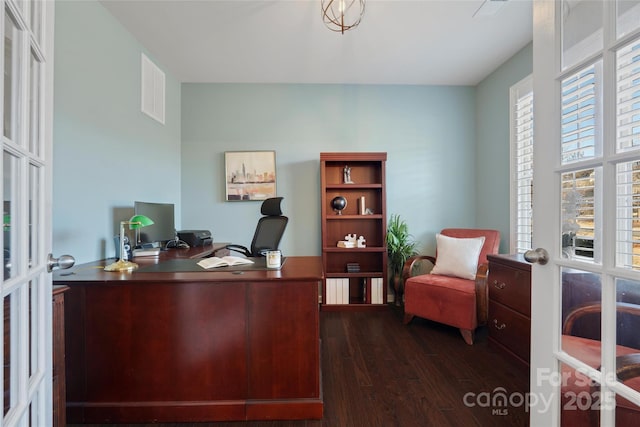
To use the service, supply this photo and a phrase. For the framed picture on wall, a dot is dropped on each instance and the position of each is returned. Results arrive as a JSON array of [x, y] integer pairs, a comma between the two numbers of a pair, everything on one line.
[[250, 175]]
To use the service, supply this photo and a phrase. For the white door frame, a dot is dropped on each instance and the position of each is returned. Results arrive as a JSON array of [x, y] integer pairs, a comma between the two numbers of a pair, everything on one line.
[[544, 280], [546, 350], [27, 192]]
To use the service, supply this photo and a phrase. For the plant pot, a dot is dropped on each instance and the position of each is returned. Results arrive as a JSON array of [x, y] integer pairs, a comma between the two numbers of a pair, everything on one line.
[[398, 289]]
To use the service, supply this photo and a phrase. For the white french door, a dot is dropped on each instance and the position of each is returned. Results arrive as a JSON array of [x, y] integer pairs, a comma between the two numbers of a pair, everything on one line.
[[27, 88], [587, 216]]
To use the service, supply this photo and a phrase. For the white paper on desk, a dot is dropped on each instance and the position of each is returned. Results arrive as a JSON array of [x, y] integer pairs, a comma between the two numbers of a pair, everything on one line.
[[225, 261]]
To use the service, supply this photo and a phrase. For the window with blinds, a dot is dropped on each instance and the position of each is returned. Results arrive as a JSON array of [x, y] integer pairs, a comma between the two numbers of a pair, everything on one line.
[[579, 114], [628, 173], [628, 97], [522, 164], [579, 141]]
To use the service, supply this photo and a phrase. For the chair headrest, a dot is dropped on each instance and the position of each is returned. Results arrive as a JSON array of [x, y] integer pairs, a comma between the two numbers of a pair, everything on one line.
[[271, 206]]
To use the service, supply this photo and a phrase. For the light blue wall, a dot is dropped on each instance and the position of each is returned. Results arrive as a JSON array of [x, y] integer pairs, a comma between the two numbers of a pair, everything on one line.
[[492, 161], [107, 154], [428, 133], [448, 163]]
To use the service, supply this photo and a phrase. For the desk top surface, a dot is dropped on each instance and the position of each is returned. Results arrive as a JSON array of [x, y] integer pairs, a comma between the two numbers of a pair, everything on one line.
[[184, 261]]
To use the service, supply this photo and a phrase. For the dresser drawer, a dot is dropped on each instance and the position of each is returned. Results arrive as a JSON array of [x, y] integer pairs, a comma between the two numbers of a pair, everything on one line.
[[511, 287], [510, 328]]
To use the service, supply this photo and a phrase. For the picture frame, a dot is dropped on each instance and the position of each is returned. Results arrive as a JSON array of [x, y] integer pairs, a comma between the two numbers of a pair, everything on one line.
[[249, 175]]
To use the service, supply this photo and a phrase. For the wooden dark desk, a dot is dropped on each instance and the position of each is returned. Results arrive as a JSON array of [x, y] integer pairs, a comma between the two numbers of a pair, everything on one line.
[[192, 346]]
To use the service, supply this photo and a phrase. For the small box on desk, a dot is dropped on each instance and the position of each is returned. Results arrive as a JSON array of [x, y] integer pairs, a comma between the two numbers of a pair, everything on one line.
[[146, 252], [195, 237]]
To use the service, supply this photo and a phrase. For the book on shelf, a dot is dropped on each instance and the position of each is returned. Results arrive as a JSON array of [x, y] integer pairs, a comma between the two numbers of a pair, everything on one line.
[[353, 267], [337, 291], [377, 293], [225, 261]]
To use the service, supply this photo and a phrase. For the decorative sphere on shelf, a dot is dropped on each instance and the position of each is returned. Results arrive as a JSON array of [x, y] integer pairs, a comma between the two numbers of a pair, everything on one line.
[[338, 204]]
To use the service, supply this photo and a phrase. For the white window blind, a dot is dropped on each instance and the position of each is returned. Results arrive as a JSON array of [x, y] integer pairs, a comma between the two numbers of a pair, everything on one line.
[[580, 140], [579, 115], [628, 97], [522, 149], [628, 173]]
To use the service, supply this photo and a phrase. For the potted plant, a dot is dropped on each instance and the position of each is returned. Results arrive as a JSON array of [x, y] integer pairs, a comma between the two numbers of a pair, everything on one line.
[[400, 247]]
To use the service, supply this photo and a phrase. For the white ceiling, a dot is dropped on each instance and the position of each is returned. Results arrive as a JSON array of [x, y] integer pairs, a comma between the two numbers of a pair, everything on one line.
[[421, 42]]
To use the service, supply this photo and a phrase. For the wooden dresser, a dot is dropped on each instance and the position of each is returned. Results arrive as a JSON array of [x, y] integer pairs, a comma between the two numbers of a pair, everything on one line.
[[509, 319]]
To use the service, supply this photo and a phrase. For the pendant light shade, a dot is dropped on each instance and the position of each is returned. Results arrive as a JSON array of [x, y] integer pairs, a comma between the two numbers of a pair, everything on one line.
[[342, 15]]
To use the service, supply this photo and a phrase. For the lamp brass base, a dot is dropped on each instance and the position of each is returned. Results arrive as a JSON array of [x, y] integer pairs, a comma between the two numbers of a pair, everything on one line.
[[121, 265]]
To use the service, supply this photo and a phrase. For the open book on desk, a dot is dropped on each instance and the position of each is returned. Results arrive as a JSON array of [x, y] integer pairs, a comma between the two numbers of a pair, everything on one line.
[[226, 261]]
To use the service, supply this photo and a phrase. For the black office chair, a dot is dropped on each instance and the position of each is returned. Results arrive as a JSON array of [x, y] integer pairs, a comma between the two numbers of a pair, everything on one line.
[[268, 232]]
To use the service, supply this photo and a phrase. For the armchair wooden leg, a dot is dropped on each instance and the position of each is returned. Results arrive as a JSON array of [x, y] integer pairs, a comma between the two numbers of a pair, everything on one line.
[[408, 317], [467, 334]]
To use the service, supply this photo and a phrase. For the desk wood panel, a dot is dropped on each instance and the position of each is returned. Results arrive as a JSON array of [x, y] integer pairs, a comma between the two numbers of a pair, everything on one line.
[[157, 340], [291, 334], [196, 346]]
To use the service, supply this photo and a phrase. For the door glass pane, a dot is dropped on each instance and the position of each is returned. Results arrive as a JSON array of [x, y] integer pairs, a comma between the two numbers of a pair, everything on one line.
[[579, 399], [581, 299], [628, 314], [581, 335], [9, 217], [627, 413], [34, 106], [523, 164], [628, 215], [628, 97], [11, 75], [7, 354], [33, 326], [628, 340], [628, 16], [580, 104], [579, 217], [581, 30], [35, 226]]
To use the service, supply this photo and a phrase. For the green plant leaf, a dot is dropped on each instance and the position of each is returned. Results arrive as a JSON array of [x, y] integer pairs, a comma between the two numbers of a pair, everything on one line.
[[400, 244]]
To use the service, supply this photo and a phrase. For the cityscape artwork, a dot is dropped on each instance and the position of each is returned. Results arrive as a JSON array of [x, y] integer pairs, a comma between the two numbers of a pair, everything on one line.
[[250, 175]]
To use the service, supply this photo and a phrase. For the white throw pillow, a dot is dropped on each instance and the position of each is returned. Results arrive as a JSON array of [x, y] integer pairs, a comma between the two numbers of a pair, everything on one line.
[[457, 257]]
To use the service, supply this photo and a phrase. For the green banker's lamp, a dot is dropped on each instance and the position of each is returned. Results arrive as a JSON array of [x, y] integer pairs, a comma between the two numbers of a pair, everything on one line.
[[123, 264]]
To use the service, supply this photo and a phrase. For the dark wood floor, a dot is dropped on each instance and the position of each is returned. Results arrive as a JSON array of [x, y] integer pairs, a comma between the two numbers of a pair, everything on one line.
[[378, 372]]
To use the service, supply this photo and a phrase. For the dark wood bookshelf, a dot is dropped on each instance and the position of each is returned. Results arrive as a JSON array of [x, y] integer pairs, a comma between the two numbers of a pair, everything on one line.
[[367, 288]]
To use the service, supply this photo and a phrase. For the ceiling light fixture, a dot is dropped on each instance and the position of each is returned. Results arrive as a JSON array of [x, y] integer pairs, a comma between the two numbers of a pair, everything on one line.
[[342, 15]]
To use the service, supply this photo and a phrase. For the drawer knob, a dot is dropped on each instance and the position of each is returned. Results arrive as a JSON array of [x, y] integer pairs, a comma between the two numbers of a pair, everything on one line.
[[500, 326], [499, 285]]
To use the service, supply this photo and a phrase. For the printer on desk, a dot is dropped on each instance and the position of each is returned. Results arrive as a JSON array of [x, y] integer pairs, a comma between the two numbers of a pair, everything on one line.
[[195, 237]]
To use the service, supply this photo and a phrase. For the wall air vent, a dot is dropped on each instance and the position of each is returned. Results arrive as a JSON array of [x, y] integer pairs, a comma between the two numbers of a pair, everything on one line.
[[153, 83]]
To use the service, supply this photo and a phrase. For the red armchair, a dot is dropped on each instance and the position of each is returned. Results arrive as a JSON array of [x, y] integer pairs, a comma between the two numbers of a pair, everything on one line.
[[455, 301]]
